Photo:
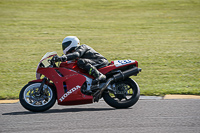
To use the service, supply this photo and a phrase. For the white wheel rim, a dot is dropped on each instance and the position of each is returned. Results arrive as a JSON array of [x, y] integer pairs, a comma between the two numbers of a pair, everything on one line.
[[35, 100]]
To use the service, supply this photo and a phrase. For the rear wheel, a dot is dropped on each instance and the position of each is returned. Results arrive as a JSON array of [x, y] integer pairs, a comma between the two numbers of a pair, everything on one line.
[[124, 95], [33, 100]]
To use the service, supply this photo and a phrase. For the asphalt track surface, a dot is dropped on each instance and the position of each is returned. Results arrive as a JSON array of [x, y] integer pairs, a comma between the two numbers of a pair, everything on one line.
[[147, 116]]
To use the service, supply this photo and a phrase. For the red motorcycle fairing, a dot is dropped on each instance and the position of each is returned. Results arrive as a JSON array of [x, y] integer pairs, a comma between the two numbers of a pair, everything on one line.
[[71, 76], [72, 80], [73, 66]]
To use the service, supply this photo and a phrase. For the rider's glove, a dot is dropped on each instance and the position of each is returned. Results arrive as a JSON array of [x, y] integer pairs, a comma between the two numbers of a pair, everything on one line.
[[63, 58], [56, 58]]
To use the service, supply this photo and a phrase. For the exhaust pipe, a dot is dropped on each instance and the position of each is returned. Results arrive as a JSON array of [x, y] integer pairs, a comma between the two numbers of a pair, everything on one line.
[[126, 74], [117, 77]]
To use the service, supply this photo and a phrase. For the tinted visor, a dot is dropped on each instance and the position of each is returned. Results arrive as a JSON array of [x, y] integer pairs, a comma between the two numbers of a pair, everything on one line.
[[66, 44]]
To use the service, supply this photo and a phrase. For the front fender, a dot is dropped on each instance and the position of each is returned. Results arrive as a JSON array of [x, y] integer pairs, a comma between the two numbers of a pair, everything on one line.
[[35, 81]]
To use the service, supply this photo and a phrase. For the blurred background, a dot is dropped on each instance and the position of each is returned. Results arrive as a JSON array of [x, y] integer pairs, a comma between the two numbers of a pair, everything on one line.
[[162, 35]]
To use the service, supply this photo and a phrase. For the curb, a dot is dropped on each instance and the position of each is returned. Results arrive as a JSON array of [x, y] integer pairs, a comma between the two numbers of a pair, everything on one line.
[[181, 97], [151, 98], [166, 97], [9, 101]]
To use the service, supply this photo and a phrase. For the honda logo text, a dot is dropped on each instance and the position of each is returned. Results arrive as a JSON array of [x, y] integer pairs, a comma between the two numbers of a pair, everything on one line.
[[69, 92]]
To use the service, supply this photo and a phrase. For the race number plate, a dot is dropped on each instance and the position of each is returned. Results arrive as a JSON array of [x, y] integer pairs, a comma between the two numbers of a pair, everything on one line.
[[118, 63]]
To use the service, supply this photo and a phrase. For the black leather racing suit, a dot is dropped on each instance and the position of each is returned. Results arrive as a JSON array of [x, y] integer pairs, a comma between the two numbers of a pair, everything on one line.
[[87, 57]]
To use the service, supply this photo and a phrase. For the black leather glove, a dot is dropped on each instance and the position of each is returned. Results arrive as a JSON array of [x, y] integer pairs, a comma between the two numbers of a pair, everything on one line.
[[56, 58], [63, 58]]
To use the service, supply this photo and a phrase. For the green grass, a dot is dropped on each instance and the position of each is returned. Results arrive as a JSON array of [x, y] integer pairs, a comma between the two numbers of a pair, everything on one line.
[[162, 35]]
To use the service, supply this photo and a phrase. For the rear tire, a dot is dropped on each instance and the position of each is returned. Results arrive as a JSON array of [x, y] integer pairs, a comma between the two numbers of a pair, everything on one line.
[[128, 95], [31, 100]]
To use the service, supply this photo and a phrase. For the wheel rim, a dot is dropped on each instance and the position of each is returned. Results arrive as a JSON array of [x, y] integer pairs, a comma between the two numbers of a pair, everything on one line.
[[33, 98], [124, 92]]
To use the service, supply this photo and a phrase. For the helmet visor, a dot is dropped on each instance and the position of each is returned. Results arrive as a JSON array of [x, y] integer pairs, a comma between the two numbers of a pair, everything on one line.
[[66, 44]]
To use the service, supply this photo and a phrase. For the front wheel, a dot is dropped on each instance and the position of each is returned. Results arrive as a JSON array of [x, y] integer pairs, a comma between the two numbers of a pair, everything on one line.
[[124, 94], [31, 99]]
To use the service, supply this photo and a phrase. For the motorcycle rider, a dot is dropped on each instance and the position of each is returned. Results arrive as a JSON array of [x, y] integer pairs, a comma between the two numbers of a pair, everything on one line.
[[87, 58]]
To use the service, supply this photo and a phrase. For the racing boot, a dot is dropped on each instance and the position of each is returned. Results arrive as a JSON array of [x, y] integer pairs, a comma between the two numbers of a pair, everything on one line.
[[99, 77]]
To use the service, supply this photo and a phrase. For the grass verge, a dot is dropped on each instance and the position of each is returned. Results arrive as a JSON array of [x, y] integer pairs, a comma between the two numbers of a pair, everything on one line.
[[163, 36]]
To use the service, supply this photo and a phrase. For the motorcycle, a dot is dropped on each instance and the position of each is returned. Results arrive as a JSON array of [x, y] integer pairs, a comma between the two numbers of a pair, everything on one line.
[[70, 85]]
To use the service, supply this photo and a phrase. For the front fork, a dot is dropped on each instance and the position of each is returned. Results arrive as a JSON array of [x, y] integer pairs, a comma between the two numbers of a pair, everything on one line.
[[40, 91]]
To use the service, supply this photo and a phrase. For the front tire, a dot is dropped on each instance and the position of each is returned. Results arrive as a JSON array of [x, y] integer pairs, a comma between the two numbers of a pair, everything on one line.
[[126, 94], [31, 100]]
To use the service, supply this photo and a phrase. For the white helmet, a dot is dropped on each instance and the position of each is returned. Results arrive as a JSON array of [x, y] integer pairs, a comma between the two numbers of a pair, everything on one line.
[[70, 43]]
